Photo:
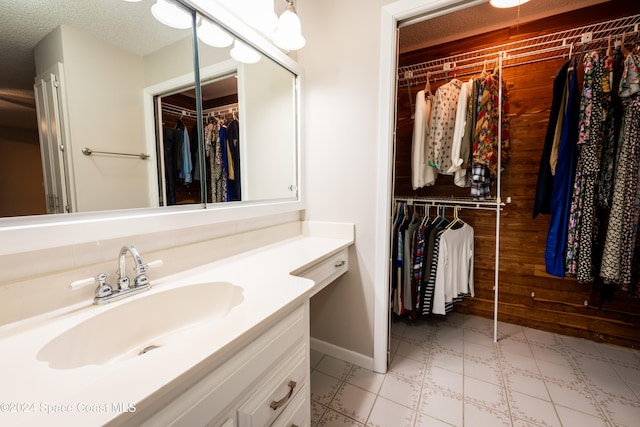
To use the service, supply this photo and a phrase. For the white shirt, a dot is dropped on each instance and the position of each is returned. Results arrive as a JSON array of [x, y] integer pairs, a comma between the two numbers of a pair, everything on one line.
[[421, 173], [460, 175], [454, 274]]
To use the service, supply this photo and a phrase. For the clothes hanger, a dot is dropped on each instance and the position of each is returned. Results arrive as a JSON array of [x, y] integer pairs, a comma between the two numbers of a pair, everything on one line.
[[456, 218], [495, 67], [443, 219], [426, 218], [427, 86], [623, 48]]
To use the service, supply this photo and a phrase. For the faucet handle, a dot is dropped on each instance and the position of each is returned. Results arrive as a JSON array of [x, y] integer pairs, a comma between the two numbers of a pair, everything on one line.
[[102, 287], [81, 283], [154, 264], [142, 279]]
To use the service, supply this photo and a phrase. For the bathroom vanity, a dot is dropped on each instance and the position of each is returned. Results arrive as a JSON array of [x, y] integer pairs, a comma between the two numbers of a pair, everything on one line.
[[223, 344]]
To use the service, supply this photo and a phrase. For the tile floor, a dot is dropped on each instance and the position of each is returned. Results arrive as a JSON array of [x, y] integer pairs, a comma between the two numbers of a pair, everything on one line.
[[448, 372]]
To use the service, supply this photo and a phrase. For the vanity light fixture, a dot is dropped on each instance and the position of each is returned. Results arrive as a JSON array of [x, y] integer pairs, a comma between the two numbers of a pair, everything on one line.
[[260, 15], [503, 4], [212, 35], [244, 53], [170, 13], [289, 32]]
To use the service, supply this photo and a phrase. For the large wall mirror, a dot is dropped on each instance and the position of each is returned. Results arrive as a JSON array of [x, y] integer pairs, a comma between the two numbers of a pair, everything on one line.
[[102, 108]]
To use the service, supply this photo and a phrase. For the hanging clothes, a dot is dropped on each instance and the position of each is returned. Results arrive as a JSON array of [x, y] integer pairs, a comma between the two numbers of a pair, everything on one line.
[[454, 270], [216, 169], [185, 165], [542, 202], [443, 117], [582, 224], [613, 126], [171, 139], [620, 243], [561, 191], [410, 241], [421, 173], [233, 147], [431, 263], [429, 272], [485, 147], [460, 148]]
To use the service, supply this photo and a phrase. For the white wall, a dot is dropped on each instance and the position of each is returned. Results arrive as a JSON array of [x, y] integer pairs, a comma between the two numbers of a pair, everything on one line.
[[341, 61], [96, 71], [268, 130]]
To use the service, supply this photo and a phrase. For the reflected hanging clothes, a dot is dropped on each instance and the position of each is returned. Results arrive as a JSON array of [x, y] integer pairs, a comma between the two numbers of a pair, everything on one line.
[[171, 141], [233, 154]]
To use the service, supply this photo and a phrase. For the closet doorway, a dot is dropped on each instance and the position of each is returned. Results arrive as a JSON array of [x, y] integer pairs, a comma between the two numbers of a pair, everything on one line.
[[522, 302], [184, 167]]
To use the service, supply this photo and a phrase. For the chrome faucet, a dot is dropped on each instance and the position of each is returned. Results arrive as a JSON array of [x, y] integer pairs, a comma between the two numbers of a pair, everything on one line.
[[141, 278], [104, 293]]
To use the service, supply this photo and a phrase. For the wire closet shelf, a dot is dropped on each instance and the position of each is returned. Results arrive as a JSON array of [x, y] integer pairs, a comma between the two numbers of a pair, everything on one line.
[[546, 47]]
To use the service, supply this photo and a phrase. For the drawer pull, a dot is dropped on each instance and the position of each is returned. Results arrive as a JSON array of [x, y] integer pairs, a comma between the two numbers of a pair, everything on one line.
[[279, 403], [340, 264]]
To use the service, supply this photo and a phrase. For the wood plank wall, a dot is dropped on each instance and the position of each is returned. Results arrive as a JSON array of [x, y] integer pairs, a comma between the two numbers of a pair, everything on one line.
[[558, 305]]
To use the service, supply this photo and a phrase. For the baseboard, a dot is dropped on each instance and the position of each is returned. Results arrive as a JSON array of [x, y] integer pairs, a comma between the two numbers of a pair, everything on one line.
[[342, 353]]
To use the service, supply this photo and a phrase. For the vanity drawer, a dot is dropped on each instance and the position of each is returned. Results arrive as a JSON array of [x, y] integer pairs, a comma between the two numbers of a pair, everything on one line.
[[297, 413], [328, 270], [276, 393]]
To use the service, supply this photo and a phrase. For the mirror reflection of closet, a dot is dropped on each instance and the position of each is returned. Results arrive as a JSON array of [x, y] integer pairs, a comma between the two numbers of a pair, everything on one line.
[[188, 173]]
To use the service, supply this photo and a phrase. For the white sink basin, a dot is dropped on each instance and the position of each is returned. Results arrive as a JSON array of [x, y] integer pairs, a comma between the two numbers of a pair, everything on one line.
[[134, 328]]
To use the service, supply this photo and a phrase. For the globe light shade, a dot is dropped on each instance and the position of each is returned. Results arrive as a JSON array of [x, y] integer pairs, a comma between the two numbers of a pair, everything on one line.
[[212, 35], [289, 34], [260, 15], [170, 13], [244, 53]]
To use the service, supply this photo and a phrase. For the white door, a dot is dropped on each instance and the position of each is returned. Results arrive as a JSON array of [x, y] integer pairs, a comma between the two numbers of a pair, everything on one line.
[[52, 144]]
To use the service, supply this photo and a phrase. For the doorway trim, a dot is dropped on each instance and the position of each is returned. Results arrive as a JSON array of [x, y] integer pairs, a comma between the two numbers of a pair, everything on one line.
[[391, 16]]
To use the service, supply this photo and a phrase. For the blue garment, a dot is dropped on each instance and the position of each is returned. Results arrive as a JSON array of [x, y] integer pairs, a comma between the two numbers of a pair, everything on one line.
[[222, 134], [563, 181], [542, 202], [186, 166]]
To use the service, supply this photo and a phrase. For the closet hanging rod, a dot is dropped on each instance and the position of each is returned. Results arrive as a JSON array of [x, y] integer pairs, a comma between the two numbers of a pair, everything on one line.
[[535, 47], [224, 109], [462, 203], [173, 109], [88, 152]]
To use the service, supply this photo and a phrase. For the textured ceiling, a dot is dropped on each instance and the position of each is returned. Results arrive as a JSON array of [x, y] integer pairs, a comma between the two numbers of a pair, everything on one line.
[[25, 22], [479, 19]]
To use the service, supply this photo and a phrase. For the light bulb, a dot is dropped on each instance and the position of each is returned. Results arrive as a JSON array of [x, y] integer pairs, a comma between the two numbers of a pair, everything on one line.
[[289, 34], [170, 13], [503, 4], [211, 34], [244, 53]]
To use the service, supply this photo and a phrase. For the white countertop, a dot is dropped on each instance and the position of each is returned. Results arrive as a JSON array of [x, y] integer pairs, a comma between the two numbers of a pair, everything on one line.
[[85, 396]]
